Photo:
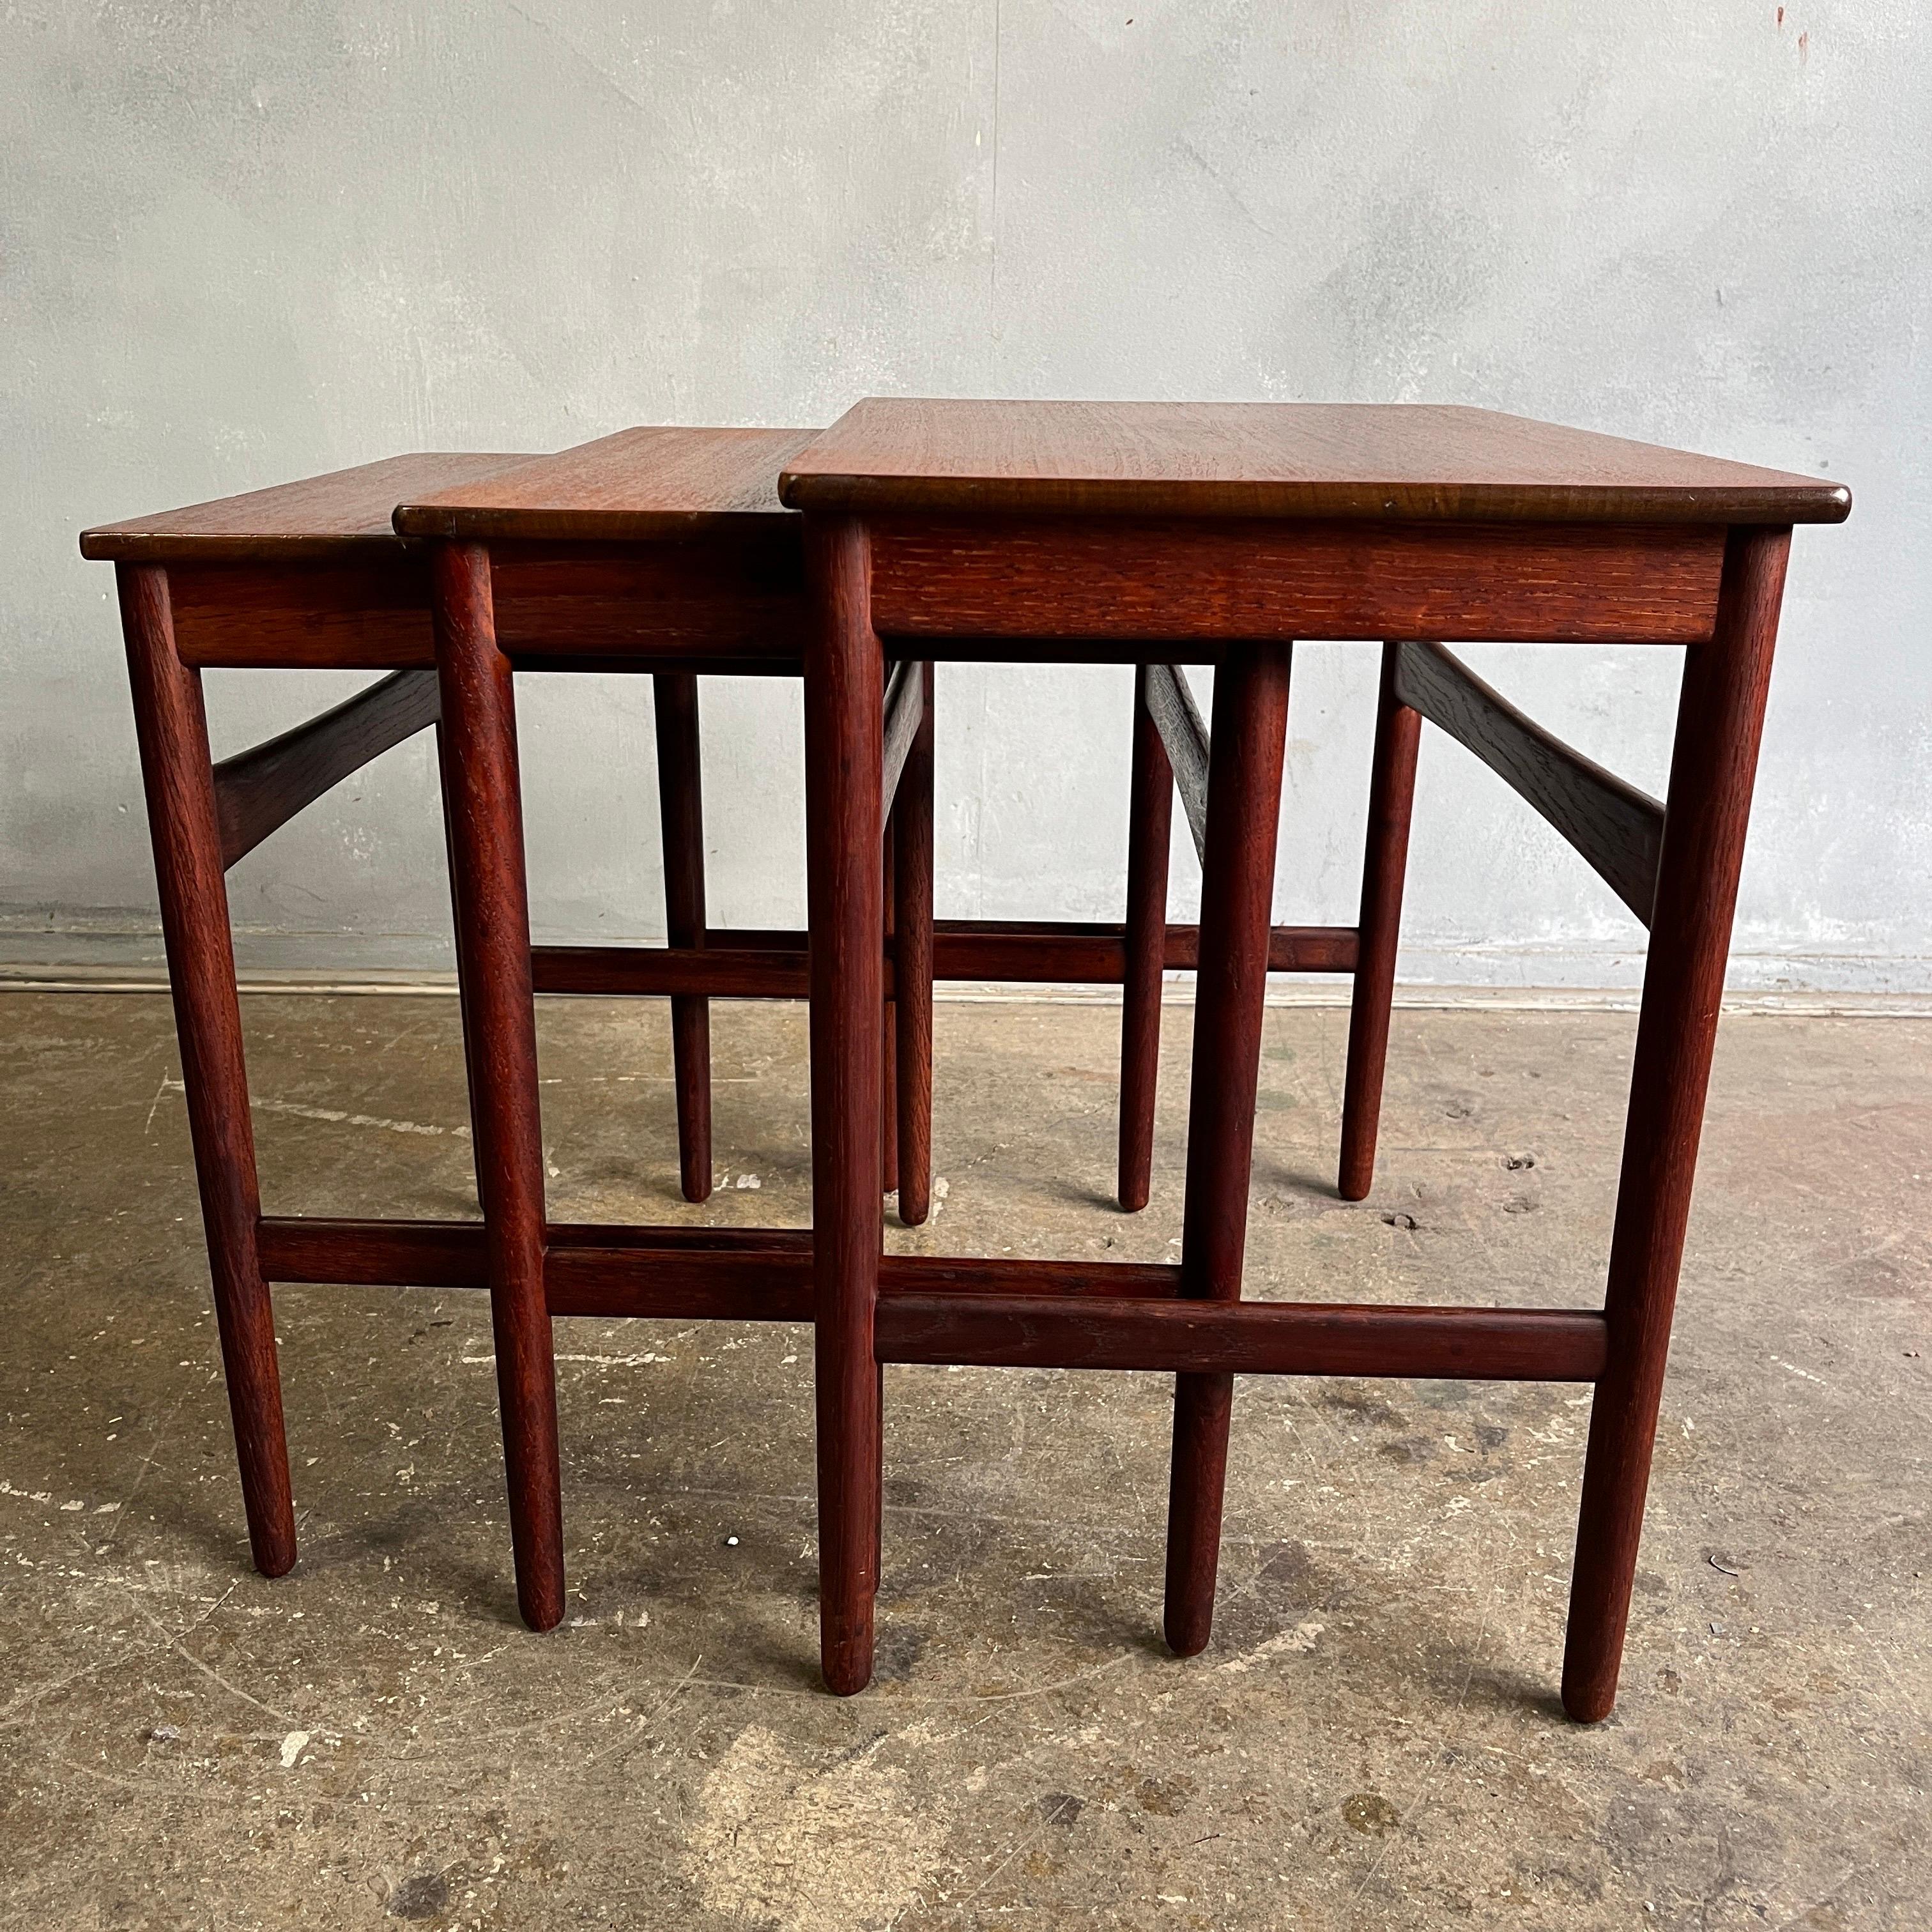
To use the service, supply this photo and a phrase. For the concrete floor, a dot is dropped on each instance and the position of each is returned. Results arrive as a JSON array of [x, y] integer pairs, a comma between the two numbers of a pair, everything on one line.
[[1372, 1740]]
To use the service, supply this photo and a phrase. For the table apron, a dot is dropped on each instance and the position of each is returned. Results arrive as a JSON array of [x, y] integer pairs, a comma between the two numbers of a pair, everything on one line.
[[671, 608], [1066, 589], [1117, 581]]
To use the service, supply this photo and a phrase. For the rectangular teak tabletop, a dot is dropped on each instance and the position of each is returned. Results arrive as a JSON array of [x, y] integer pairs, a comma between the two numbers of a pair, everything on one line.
[[308, 575], [341, 514], [651, 545], [640, 485], [1315, 460], [1183, 526], [700, 558]]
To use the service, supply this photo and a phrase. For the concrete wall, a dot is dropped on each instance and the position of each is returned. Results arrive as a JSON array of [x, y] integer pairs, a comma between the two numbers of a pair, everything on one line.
[[244, 242]]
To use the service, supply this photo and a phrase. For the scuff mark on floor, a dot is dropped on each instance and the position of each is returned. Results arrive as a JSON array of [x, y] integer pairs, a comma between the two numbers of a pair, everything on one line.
[[776, 1841]]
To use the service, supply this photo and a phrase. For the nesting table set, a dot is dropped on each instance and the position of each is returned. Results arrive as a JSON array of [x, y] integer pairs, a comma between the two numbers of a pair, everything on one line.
[[1158, 535]]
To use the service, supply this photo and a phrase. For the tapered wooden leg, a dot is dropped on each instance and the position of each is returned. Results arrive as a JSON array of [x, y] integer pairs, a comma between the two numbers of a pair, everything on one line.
[[879, 1463], [483, 802], [1391, 799], [889, 1093], [844, 689], [1149, 814], [179, 777], [912, 940], [1237, 892], [1720, 714], [456, 926], [681, 807]]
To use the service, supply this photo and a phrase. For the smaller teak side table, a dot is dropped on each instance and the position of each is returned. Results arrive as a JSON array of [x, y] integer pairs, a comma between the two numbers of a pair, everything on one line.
[[1220, 533], [306, 576], [312, 575]]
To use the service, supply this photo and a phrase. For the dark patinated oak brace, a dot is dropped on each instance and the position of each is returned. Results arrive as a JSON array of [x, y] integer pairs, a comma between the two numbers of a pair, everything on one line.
[[1103, 531]]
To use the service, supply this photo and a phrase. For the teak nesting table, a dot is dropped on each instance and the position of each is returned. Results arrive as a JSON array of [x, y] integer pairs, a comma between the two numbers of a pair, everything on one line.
[[1152, 534], [1218, 533]]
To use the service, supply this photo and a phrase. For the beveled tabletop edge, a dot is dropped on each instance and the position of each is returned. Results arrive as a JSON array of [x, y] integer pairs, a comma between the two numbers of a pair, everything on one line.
[[419, 523], [1725, 492], [880, 496]]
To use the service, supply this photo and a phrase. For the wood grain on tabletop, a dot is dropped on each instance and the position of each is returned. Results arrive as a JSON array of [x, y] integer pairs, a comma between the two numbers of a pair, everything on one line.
[[1352, 460], [638, 484], [344, 510]]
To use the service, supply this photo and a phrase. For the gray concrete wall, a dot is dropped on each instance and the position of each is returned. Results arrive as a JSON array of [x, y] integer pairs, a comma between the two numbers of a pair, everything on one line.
[[243, 243]]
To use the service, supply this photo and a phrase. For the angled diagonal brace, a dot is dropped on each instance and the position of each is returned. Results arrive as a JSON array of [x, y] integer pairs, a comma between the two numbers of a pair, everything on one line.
[[905, 704], [1171, 705], [261, 789], [1617, 828]]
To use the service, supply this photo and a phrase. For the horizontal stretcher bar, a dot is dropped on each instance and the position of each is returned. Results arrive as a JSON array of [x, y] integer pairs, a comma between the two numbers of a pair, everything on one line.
[[758, 965], [748, 1274], [994, 1312]]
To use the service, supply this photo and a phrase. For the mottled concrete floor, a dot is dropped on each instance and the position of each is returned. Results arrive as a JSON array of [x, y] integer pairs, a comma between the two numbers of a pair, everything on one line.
[[1372, 1740]]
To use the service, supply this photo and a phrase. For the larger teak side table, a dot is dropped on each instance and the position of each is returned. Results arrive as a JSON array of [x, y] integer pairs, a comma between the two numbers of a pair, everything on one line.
[[1218, 533]]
